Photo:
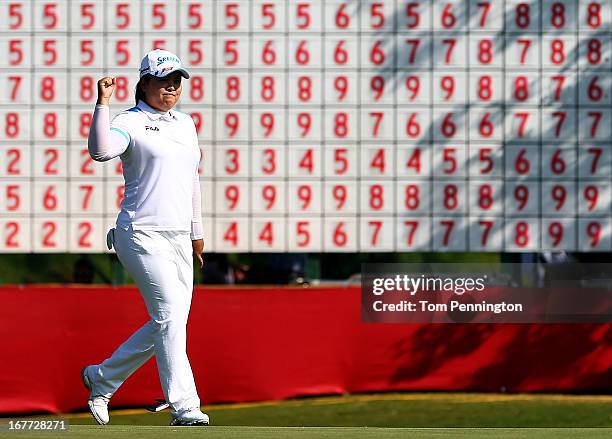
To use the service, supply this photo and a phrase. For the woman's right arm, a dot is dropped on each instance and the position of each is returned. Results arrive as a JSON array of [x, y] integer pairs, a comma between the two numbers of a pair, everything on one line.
[[103, 142]]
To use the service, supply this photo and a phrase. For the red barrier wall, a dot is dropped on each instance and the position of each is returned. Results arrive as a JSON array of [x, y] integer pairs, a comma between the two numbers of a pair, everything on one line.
[[248, 344]]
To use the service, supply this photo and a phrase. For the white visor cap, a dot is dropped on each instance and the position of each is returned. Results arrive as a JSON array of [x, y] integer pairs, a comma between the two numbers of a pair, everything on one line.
[[161, 63]]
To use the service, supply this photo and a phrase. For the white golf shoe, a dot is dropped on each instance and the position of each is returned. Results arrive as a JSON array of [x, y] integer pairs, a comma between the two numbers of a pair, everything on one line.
[[193, 417], [98, 404]]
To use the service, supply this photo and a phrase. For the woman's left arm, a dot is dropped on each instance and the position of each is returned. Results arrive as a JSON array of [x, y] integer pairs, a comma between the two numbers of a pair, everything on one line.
[[197, 232]]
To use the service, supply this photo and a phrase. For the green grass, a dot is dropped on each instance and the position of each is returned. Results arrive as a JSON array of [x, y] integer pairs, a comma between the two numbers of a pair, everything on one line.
[[414, 415]]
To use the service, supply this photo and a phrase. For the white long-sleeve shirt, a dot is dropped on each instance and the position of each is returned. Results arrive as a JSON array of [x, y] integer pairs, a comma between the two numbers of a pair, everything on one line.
[[160, 156]]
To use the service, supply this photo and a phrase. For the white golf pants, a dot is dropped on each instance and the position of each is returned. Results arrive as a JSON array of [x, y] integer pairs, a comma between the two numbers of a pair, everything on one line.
[[162, 266]]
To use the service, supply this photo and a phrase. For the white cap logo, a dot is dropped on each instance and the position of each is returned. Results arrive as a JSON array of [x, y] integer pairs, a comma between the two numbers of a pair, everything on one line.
[[161, 63]]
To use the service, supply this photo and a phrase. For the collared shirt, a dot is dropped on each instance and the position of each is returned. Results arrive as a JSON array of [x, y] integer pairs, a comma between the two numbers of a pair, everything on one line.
[[160, 167]]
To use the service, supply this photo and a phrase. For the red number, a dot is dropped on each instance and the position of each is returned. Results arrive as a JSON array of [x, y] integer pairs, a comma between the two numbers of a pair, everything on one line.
[[414, 161], [49, 229], [231, 52], [339, 194], [302, 230], [50, 199], [304, 121], [524, 117], [12, 193], [232, 91], [11, 236], [305, 195], [47, 88], [558, 193], [485, 196], [449, 157], [50, 15], [376, 197], [341, 124], [340, 53], [123, 11], [302, 55], [412, 227], [560, 116], [448, 229], [377, 225], [340, 158], [232, 165], [267, 88], [596, 154], [521, 234], [594, 51], [485, 90], [377, 85], [487, 226], [51, 156], [448, 19], [485, 51], [87, 49], [557, 19], [194, 15], [448, 127], [269, 158], [231, 234], [557, 54], [50, 49], [85, 123], [412, 196], [555, 230], [15, 13], [88, 189], [485, 6], [414, 17], [160, 14], [343, 20], [87, 11], [559, 80], [447, 84], [377, 17], [14, 156], [122, 47], [50, 127], [121, 88], [16, 52], [85, 230], [377, 55], [87, 88], [303, 13], [341, 86], [521, 194], [450, 196], [340, 239], [449, 50], [522, 164], [232, 194], [557, 164], [526, 44], [87, 163], [596, 116], [12, 125], [486, 127], [267, 11], [196, 89], [268, 193], [232, 122], [594, 91], [594, 15], [412, 84], [305, 88], [266, 120], [14, 90], [232, 18], [378, 116], [414, 46], [378, 161], [413, 128], [268, 54], [591, 193], [195, 49], [593, 231], [484, 155], [306, 162], [521, 88]]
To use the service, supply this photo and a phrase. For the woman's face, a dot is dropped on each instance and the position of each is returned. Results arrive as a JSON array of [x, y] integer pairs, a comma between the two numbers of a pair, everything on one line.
[[163, 93]]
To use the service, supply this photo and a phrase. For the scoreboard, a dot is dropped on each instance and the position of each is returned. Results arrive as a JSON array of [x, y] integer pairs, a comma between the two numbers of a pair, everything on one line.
[[325, 126]]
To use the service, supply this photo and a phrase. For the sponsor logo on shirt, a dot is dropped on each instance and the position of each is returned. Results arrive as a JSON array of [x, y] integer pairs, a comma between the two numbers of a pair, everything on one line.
[[148, 128]]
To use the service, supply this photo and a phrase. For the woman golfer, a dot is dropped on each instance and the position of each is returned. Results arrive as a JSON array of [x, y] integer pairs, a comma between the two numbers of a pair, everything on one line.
[[158, 231]]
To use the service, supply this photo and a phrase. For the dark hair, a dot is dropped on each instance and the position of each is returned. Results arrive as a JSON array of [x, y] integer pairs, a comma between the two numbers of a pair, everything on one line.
[[139, 95]]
